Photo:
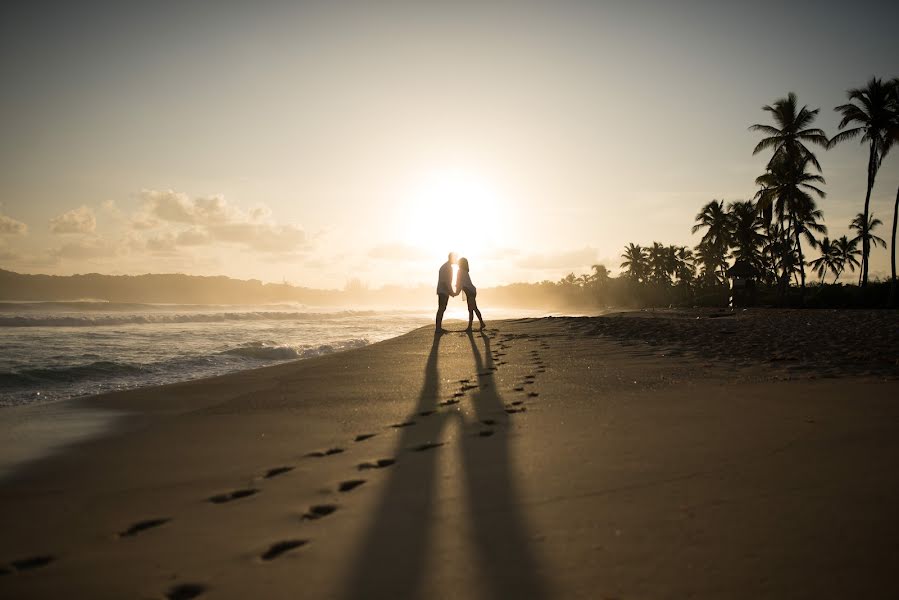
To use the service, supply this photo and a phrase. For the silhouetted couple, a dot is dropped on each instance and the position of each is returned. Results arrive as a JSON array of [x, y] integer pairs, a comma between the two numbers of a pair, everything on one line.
[[446, 288]]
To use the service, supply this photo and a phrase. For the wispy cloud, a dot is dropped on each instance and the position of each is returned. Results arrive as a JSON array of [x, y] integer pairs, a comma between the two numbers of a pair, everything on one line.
[[78, 220], [10, 226]]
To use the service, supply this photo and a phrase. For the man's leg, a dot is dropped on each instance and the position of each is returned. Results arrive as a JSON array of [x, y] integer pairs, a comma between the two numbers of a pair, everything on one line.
[[442, 299]]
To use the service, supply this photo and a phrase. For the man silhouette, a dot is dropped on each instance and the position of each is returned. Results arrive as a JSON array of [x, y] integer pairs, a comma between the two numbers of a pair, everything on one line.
[[445, 289]]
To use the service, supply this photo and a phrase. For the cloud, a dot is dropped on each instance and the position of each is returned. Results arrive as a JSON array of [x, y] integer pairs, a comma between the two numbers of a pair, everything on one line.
[[213, 219], [9, 226], [397, 251], [178, 207], [571, 259], [192, 237], [88, 248], [165, 243], [78, 220]]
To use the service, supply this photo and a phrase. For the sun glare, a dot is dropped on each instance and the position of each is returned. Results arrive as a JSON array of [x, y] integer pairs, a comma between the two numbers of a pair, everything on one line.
[[452, 209]]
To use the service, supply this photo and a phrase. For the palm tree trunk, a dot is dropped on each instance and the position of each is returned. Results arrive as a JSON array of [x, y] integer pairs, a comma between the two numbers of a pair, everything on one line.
[[801, 268], [866, 245], [893, 252]]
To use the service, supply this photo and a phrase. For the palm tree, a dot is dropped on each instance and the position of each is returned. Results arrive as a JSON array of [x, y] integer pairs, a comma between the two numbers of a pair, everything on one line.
[[893, 250], [788, 190], [659, 261], [865, 234], [746, 233], [717, 238], [847, 252], [714, 264], [684, 269], [792, 133], [634, 262], [828, 261], [873, 110], [893, 132], [806, 223]]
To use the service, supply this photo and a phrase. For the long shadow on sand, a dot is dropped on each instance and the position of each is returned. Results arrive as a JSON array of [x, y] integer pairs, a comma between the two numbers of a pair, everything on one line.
[[391, 560]]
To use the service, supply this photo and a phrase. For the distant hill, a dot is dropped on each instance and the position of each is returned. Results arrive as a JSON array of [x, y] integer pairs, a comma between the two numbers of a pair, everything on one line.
[[194, 289], [168, 288]]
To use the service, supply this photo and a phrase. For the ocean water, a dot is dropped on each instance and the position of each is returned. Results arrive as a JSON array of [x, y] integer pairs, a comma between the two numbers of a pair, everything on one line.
[[57, 350]]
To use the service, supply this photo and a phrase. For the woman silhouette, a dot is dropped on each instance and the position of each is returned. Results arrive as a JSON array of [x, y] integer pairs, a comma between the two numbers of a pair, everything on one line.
[[471, 292]]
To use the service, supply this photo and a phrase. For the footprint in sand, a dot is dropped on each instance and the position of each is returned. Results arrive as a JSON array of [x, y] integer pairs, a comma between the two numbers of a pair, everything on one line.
[[449, 402], [518, 403], [141, 526], [185, 591], [427, 446], [426, 413], [318, 511], [328, 452], [364, 436], [378, 464], [485, 433], [518, 389], [403, 424], [231, 496], [533, 394], [279, 548], [350, 485], [26, 564], [512, 411], [274, 472]]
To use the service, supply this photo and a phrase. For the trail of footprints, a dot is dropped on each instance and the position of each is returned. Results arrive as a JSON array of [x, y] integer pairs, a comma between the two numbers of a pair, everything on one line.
[[189, 590]]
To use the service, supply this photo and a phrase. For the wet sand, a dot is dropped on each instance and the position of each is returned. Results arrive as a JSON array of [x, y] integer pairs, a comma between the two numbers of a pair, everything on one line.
[[627, 456]]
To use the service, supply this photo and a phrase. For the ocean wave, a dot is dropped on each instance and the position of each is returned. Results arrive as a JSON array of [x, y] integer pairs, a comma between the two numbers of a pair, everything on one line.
[[251, 354], [166, 318], [67, 374], [270, 351]]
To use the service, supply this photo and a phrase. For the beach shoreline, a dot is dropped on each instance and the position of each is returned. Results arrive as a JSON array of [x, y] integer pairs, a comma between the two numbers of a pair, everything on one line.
[[547, 458]]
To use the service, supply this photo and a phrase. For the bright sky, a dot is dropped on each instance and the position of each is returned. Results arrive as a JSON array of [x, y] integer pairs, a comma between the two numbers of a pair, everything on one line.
[[320, 142]]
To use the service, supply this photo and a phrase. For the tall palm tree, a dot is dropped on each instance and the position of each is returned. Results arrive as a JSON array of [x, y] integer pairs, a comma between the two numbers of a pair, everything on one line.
[[828, 261], [872, 109], [792, 131], [847, 255], [788, 190], [893, 250], [634, 262], [893, 132], [717, 238], [865, 233]]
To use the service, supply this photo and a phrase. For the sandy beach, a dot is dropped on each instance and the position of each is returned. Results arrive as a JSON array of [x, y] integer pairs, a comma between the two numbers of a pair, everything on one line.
[[666, 454]]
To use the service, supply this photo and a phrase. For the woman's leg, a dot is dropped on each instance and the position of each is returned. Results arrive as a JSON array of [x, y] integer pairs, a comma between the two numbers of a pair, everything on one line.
[[473, 307], [480, 318]]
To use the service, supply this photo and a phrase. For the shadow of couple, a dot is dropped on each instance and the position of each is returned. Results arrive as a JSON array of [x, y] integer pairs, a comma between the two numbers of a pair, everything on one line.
[[392, 559]]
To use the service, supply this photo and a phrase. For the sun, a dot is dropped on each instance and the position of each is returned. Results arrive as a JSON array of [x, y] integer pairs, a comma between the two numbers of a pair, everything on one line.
[[452, 209]]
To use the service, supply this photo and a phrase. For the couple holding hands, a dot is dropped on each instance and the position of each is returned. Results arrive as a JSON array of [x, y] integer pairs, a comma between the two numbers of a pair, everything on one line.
[[445, 289]]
